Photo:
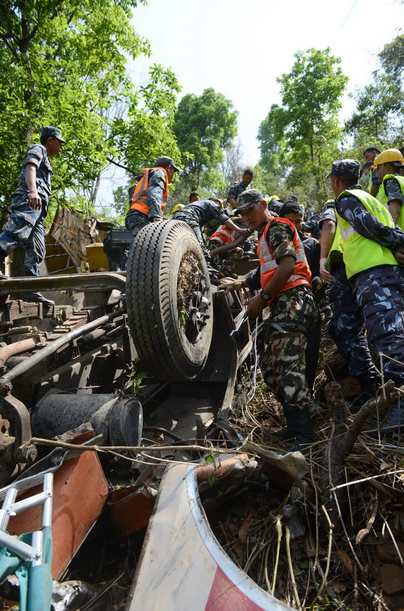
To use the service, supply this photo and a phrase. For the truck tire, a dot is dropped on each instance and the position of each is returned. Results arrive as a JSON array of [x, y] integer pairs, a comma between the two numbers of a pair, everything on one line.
[[171, 327]]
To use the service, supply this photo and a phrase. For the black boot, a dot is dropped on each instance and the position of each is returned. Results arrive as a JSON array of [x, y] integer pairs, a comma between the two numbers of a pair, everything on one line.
[[395, 420], [369, 385], [289, 433], [298, 421], [285, 434]]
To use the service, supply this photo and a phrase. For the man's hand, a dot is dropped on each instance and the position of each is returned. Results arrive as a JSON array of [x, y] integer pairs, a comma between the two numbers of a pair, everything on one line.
[[255, 306], [399, 256], [156, 219], [229, 284], [324, 273], [34, 200], [245, 232]]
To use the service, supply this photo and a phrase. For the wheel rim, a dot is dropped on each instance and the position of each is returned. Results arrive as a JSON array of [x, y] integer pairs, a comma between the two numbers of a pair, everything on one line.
[[193, 297]]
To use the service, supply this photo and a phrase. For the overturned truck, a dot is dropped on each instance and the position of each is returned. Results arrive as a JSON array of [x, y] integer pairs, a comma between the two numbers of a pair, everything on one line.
[[122, 362]]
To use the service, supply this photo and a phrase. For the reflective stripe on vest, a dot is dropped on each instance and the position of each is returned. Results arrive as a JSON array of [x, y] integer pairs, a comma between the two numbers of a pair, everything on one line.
[[268, 264], [139, 201], [382, 196], [361, 253], [223, 235]]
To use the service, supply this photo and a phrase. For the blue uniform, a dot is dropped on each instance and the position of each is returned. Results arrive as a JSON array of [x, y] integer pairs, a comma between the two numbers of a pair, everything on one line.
[[25, 227], [346, 324], [197, 214], [379, 290], [237, 189]]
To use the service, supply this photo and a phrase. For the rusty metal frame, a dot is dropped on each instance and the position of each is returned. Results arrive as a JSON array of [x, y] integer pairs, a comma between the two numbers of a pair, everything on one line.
[[97, 281]]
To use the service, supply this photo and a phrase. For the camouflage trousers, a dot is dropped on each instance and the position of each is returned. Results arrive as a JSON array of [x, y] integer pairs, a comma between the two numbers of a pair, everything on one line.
[[25, 228], [346, 326], [381, 297], [283, 363]]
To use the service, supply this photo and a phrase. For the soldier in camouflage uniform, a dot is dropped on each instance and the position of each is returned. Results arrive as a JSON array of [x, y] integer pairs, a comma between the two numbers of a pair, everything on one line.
[[29, 207], [373, 250], [284, 361], [235, 190], [284, 279]]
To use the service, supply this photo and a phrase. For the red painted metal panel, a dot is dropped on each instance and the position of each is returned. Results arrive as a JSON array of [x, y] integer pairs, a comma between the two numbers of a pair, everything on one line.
[[79, 494]]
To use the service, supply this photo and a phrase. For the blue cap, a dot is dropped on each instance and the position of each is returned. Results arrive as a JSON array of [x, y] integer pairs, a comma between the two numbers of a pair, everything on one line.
[[49, 130], [345, 168], [166, 162]]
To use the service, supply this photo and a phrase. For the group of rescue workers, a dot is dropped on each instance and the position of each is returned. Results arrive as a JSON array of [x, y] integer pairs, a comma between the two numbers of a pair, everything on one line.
[[360, 255]]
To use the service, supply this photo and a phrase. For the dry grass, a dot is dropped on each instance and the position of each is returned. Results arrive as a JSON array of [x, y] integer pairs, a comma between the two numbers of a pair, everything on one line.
[[323, 566]]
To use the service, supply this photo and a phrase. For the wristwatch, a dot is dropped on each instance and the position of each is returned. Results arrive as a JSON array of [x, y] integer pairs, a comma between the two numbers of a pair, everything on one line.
[[265, 295]]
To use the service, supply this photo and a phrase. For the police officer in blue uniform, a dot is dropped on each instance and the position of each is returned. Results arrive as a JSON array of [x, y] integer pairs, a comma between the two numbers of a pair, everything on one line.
[[29, 207]]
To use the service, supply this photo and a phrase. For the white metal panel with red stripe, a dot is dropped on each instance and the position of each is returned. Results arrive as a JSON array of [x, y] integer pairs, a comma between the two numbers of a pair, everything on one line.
[[182, 566]]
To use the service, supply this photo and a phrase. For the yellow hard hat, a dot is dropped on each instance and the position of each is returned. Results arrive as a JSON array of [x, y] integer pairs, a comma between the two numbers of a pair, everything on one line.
[[388, 156], [177, 208]]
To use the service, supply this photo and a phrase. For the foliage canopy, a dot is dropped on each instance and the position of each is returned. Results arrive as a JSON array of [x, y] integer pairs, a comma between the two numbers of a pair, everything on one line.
[[64, 63], [204, 126], [303, 133], [378, 117]]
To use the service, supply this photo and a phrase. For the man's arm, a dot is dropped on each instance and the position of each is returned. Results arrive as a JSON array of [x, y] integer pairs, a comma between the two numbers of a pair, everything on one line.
[[327, 236], [375, 183], [367, 225], [228, 247], [282, 274], [232, 196], [280, 239], [233, 227], [394, 197], [30, 178], [155, 190]]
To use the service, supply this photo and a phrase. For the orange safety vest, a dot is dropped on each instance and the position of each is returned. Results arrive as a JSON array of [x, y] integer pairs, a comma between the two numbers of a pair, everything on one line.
[[223, 235], [139, 199], [268, 264]]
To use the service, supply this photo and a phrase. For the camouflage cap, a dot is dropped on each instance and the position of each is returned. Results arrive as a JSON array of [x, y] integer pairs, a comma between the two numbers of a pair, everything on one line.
[[49, 131], [247, 199], [165, 162], [345, 168]]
